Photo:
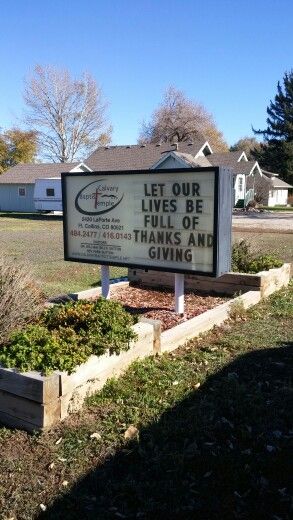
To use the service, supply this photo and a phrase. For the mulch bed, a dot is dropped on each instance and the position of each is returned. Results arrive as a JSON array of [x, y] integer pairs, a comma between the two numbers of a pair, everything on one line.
[[160, 304]]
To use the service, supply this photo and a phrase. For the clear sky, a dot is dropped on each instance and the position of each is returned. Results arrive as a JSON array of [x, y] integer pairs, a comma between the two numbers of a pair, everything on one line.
[[226, 54]]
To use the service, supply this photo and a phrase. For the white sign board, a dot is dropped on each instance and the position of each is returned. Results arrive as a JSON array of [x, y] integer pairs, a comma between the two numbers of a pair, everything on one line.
[[164, 220]]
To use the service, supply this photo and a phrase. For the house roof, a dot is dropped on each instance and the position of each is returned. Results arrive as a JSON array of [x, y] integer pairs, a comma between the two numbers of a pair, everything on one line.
[[186, 158], [227, 159], [28, 173], [275, 181], [199, 161], [138, 156], [269, 174], [245, 167], [278, 183]]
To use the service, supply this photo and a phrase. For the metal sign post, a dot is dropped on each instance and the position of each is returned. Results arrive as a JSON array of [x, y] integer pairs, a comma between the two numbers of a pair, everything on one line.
[[105, 281], [179, 293]]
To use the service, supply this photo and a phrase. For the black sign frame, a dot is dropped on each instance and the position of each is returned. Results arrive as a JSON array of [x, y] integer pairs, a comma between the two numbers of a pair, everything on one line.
[[214, 273]]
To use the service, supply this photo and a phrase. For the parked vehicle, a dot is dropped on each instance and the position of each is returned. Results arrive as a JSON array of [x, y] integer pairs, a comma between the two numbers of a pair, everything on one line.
[[48, 195]]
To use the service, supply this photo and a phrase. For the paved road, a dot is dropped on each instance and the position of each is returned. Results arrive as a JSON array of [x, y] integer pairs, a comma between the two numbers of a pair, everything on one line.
[[274, 221]]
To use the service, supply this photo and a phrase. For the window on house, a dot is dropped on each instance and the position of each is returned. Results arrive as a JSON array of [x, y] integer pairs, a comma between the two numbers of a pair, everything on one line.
[[21, 192], [50, 192], [240, 184]]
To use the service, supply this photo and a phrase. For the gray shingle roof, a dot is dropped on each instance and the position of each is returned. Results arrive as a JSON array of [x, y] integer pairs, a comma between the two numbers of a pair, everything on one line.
[[243, 167], [227, 159], [275, 181], [199, 161], [137, 157], [278, 183], [230, 160], [28, 173]]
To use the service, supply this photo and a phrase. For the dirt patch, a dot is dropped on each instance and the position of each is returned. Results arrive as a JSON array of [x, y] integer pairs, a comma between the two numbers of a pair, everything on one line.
[[159, 304]]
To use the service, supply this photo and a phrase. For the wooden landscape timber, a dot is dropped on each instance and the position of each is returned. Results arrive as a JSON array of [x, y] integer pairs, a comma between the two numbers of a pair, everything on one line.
[[231, 283], [34, 402], [173, 338]]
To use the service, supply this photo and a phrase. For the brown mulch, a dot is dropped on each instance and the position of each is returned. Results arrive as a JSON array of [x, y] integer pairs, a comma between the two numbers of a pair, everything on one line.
[[160, 304]]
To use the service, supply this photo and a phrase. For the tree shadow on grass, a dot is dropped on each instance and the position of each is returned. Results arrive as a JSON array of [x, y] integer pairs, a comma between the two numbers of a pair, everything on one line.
[[221, 453]]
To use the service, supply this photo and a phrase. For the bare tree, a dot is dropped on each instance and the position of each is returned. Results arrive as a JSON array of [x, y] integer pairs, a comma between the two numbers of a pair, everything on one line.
[[246, 144], [68, 114], [179, 119]]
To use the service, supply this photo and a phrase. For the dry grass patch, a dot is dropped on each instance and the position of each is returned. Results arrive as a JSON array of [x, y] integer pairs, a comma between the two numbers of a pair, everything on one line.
[[21, 299]]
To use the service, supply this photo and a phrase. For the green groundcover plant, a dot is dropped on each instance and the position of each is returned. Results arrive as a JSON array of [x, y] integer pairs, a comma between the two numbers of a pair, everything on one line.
[[66, 335], [245, 261]]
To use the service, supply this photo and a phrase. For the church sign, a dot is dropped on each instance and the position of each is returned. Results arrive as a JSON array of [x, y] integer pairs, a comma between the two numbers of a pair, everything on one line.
[[176, 220]]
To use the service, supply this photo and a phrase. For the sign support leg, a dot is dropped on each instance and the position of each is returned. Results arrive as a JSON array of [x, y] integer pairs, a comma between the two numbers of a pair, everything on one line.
[[105, 281], [179, 293]]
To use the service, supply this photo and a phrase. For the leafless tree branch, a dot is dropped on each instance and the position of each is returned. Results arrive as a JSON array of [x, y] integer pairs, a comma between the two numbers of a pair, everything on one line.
[[68, 114]]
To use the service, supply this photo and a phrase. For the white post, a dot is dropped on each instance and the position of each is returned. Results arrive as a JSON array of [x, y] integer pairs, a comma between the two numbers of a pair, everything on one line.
[[105, 281], [179, 293]]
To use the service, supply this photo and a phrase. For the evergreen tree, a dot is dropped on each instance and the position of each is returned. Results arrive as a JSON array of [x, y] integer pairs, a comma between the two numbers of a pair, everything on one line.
[[276, 153]]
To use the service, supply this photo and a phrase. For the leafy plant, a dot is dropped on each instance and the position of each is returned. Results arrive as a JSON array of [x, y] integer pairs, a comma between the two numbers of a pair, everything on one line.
[[37, 348], [67, 335], [102, 324], [245, 261]]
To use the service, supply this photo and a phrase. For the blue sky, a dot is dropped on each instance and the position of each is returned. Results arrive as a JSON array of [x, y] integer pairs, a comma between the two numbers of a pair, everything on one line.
[[226, 54]]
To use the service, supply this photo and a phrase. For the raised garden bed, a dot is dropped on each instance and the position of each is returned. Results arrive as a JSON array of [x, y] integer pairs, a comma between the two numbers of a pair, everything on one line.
[[35, 402], [158, 304], [231, 283]]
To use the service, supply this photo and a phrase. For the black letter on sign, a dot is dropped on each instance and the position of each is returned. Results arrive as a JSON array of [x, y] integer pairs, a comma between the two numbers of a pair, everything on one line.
[[189, 206]]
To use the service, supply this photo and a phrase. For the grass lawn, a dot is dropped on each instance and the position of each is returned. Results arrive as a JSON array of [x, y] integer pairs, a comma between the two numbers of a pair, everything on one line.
[[38, 241], [214, 435]]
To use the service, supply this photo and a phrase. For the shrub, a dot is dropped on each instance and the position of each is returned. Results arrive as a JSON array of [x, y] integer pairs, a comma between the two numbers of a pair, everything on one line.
[[37, 348], [68, 334], [244, 261], [21, 300], [103, 324]]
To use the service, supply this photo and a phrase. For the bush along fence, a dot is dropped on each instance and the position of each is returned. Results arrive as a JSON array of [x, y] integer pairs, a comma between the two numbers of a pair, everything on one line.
[[32, 401]]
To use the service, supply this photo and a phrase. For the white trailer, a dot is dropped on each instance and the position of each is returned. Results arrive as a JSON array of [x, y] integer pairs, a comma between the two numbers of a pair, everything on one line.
[[48, 195]]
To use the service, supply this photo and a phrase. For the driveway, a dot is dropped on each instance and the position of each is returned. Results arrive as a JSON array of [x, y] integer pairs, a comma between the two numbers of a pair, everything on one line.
[[281, 222]]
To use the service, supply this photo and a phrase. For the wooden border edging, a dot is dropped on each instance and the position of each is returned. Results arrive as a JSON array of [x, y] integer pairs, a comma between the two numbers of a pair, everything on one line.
[[173, 338], [34, 402], [230, 283], [95, 292]]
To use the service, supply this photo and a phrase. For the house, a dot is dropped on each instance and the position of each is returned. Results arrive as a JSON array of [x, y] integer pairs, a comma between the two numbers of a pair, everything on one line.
[[248, 178], [17, 184], [142, 156], [243, 170], [178, 155], [270, 190]]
